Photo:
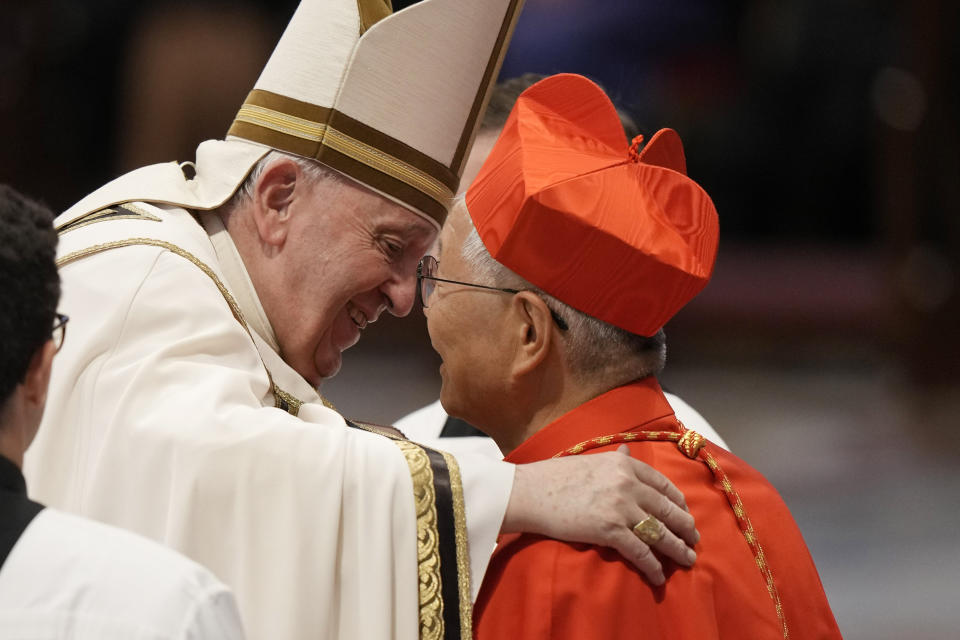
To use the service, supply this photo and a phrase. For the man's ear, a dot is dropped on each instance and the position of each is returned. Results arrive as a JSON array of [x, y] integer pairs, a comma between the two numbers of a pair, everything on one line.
[[533, 331], [37, 378], [273, 193]]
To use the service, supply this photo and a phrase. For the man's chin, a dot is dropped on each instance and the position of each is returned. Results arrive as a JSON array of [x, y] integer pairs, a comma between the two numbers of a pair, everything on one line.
[[448, 401], [317, 370], [326, 370]]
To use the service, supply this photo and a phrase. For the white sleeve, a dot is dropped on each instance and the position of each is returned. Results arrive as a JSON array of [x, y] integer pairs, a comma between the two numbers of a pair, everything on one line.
[[424, 423], [215, 618]]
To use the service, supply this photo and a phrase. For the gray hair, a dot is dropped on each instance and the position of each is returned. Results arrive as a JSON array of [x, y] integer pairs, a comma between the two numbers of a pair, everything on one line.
[[594, 348], [313, 170]]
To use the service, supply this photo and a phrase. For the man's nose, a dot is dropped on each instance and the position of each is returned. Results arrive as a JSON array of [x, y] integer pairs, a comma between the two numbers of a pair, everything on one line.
[[400, 293]]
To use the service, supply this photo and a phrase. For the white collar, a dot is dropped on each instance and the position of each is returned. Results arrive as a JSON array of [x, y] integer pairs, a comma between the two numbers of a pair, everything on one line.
[[237, 278]]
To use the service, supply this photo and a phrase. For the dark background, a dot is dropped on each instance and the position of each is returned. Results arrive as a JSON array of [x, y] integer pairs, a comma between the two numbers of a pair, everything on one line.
[[825, 350]]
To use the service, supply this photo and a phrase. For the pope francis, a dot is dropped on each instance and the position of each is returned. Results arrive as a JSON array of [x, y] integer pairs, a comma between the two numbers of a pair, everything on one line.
[[210, 299]]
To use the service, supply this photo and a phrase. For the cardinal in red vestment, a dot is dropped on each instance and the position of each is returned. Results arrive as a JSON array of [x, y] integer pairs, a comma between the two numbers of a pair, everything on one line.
[[553, 279]]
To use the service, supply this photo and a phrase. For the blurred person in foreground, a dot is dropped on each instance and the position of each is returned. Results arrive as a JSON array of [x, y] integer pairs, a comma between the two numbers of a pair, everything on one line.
[[431, 422], [211, 300], [62, 576], [554, 278]]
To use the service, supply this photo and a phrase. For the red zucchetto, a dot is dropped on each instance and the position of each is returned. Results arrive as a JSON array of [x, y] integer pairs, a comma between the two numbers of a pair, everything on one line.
[[566, 203]]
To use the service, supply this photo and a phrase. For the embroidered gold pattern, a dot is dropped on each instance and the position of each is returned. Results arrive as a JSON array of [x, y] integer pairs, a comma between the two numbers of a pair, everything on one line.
[[347, 145], [428, 550], [293, 405], [736, 504], [463, 555]]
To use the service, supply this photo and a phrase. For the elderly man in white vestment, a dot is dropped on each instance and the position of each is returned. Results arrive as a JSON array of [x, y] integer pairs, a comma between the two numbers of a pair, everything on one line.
[[211, 299]]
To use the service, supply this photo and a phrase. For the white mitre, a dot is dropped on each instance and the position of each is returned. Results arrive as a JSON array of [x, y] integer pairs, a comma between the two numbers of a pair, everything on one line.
[[391, 100]]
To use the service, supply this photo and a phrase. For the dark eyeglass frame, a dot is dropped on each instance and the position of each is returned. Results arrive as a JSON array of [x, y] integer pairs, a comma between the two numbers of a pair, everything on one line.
[[59, 332], [557, 319]]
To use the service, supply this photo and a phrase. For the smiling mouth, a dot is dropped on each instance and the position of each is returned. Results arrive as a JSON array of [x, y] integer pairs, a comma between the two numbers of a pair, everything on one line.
[[359, 317]]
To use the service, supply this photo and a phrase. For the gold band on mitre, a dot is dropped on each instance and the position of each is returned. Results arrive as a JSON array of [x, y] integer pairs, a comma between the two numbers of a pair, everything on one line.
[[348, 146]]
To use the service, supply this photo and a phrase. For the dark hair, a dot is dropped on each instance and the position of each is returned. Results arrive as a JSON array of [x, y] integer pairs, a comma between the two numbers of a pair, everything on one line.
[[29, 284], [505, 95]]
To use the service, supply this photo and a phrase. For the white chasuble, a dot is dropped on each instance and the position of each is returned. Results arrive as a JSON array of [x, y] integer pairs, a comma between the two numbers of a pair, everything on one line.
[[168, 415]]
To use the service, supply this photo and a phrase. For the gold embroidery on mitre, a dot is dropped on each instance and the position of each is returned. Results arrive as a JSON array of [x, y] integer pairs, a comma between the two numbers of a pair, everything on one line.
[[282, 122], [323, 134], [428, 549], [373, 157]]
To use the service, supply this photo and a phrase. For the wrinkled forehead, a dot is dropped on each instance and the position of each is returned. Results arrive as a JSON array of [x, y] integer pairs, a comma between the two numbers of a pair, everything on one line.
[[383, 212]]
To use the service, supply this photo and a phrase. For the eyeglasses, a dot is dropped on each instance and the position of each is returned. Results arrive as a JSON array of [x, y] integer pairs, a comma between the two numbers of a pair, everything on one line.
[[426, 284], [59, 330]]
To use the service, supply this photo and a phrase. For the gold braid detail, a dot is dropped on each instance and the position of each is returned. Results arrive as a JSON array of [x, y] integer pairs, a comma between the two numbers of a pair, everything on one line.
[[750, 535], [428, 549], [463, 555]]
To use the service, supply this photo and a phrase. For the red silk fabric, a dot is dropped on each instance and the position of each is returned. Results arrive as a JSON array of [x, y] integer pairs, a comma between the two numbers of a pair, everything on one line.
[[537, 588], [561, 202]]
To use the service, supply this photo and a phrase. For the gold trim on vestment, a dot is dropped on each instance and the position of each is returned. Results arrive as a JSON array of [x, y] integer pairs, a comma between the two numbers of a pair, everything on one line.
[[463, 553], [293, 404], [428, 549], [151, 242], [104, 215]]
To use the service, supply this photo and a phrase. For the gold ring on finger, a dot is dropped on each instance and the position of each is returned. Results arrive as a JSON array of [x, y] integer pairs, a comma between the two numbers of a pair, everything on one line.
[[650, 530]]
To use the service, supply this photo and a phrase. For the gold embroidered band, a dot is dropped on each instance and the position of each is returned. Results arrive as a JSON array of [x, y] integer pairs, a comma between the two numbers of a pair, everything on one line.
[[442, 549], [349, 146]]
